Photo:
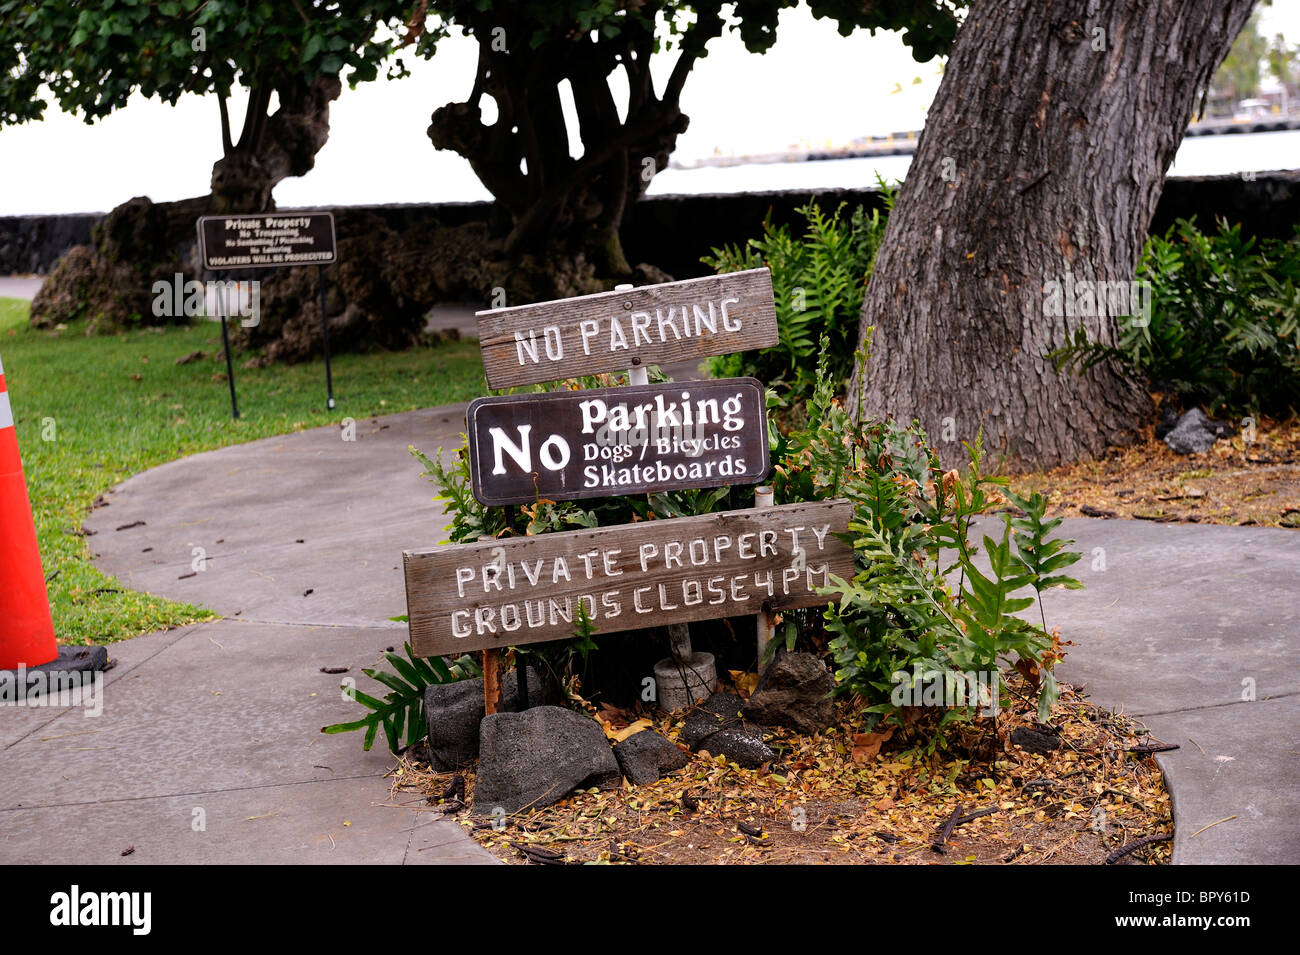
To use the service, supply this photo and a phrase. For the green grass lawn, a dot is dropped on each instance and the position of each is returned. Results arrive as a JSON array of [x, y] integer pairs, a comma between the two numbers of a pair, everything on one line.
[[92, 411]]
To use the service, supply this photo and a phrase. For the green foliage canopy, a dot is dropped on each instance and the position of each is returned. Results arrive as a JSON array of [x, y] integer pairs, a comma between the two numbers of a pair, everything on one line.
[[93, 56]]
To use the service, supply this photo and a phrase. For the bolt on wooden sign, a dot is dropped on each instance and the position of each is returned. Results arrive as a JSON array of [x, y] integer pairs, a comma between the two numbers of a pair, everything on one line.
[[652, 325], [266, 240], [609, 441], [517, 591]]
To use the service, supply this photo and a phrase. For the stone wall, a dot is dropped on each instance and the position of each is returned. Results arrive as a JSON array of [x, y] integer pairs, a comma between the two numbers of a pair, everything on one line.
[[673, 232], [35, 243]]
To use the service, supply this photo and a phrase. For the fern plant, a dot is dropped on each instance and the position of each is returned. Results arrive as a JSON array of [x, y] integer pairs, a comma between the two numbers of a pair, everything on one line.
[[1042, 555], [910, 529], [401, 712], [818, 281], [1225, 322]]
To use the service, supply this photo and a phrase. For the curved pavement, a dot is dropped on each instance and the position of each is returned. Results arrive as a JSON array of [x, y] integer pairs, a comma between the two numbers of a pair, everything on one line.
[[303, 536]]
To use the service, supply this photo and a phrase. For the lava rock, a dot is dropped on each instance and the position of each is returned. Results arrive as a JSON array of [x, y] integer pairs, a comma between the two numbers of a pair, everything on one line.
[[744, 747], [716, 726], [538, 757], [1168, 421], [1087, 510], [795, 693], [1035, 741], [454, 711], [646, 756], [720, 710], [1195, 433]]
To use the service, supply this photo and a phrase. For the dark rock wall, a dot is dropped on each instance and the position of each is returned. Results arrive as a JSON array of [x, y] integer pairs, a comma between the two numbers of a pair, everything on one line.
[[35, 243], [673, 232]]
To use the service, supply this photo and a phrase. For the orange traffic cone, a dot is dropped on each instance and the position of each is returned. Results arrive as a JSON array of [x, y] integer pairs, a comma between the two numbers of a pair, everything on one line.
[[26, 629]]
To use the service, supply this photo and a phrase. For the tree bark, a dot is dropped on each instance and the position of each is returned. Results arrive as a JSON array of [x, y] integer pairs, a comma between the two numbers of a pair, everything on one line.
[[272, 148], [1040, 167], [554, 208]]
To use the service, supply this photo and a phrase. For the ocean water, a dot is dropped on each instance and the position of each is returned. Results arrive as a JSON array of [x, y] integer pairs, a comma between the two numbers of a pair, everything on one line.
[[1198, 156]]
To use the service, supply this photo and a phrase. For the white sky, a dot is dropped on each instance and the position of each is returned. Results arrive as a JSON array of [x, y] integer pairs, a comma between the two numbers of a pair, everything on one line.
[[813, 86]]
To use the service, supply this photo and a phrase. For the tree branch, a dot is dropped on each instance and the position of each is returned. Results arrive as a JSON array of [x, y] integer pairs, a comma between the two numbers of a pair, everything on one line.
[[592, 99], [545, 203], [707, 27], [226, 146], [260, 117], [250, 111], [636, 63]]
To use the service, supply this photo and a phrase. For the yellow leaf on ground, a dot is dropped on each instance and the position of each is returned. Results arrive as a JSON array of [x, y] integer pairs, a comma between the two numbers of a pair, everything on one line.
[[745, 682], [638, 726]]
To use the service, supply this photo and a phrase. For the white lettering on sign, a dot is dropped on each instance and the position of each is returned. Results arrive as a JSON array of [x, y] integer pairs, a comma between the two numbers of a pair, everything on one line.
[[631, 329], [521, 452], [692, 564], [266, 241], [554, 452], [527, 346], [662, 415]]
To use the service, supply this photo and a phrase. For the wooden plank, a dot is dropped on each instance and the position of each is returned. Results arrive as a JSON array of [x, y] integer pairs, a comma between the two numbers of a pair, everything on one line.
[[269, 240], [612, 331], [599, 442], [522, 590]]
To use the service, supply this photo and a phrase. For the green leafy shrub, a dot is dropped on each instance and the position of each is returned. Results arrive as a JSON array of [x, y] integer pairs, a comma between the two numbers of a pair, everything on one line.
[[910, 529], [1225, 322], [818, 280], [401, 712]]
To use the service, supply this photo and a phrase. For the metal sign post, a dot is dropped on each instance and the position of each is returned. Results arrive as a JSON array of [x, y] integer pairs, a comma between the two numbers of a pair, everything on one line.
[[222, 310], [325, 340]]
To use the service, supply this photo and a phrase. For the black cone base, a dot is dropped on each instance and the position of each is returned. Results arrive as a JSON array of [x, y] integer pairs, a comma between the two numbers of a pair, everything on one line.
[[37, 680]]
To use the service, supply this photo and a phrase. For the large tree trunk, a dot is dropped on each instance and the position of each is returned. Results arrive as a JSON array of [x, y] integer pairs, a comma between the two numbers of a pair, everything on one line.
[[1041, 162]]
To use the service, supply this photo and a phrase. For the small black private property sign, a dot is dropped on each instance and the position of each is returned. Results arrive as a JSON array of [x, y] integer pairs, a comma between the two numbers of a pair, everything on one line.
[[270, 240], [609, 441], [267, 240]]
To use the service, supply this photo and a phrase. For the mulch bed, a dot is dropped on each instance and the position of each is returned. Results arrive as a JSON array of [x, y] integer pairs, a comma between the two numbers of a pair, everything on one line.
[[1235, 482], [833, 798]]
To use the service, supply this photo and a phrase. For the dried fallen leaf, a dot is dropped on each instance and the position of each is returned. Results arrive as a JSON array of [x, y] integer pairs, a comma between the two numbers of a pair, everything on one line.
[[627, 731], [744, 682], [866, 746]]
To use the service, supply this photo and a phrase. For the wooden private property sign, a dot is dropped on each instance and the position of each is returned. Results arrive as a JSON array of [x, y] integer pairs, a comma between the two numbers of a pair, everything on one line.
[[266, 240], [516, 591], [608, 331], [608, 441]]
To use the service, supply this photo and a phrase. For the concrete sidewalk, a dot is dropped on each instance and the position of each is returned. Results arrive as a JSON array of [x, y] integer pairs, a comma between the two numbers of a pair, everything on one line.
[[303, 537], [20, 286], [1195, 630], [219, 723]]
